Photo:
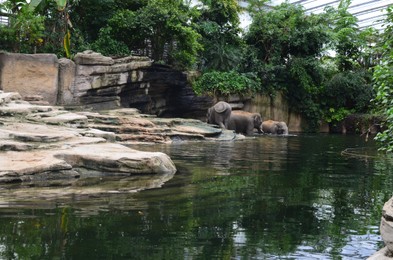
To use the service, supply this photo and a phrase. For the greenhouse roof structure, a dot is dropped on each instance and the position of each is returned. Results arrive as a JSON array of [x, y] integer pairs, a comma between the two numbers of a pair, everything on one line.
[[369, 12]]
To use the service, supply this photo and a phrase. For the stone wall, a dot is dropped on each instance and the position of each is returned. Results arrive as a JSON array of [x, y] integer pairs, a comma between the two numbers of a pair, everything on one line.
[[275, 108], [104, 83], [93, 81], [30, 75]]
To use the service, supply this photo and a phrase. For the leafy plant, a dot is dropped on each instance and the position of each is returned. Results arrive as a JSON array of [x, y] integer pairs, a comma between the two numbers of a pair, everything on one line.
[[383, 82], [160, 30], [61, 7], [352, 90], [107, 45], [217, 84], [26, 28], [218, 24], [288, 44], [336, 115]]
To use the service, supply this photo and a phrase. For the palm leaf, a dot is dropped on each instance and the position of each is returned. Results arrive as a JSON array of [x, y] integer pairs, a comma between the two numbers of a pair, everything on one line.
[[67, 44]]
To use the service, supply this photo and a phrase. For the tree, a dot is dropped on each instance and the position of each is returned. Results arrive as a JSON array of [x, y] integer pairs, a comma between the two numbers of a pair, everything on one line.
[[218, 23], [25, 31], [161, 30], [347, 88], [383, 85], [58, 25], [286, 46]]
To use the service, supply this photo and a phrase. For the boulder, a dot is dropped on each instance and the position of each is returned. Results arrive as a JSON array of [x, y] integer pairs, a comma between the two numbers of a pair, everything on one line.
[[117, 159], [29, 74], [386, 227], [386, 230], [40, 143]]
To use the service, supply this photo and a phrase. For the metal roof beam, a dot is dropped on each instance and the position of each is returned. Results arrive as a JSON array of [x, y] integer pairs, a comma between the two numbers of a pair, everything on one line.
[[370, 25], [371, 18], [320, 6], [363, 4], [370, 10]]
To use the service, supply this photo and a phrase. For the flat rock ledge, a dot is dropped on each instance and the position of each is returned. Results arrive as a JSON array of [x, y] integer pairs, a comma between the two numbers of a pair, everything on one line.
[[40, 143], [386, 230]]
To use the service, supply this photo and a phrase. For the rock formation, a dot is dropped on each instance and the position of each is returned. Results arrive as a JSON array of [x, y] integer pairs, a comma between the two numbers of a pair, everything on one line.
[[386, 230], [41, 142]]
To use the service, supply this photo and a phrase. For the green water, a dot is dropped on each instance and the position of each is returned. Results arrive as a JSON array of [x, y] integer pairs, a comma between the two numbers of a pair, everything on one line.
[[292, 197]]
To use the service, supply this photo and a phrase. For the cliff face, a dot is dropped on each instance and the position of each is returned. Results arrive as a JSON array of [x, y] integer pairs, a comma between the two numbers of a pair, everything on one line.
[[93, 81], [101, 83]]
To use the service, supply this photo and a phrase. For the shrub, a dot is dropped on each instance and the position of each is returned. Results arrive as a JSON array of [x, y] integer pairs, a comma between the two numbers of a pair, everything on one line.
[[217, 83]]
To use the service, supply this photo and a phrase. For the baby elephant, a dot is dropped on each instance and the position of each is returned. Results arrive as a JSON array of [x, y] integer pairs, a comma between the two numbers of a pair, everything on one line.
[[274, 127], [219, 114], [244, 122]]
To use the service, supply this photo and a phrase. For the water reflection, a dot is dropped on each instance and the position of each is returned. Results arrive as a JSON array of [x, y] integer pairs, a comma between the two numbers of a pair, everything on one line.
[[294, 196], [88, 195], [269, 197]]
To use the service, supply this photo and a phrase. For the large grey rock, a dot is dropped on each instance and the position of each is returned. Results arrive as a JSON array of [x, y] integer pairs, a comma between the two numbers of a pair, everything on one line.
[[15, 166], [22, 108], [39, 143], [382, 254], [66, 79], [386, 230], [92, 58], [386, 227], [7, 97], [29, 74], [118, 159]]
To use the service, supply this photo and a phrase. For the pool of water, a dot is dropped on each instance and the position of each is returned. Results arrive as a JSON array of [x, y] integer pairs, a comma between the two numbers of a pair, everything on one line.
[[295, 197]]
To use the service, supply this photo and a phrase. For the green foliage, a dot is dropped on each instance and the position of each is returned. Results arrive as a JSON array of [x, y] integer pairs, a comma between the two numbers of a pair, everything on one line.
[[26, 29], [286, 31], [217, 83], [288, 45], [108, 46], [222, 12], [159, 30], [350, 90], [90, 16], [383, 82], [336, 115], [218, 24], [345, 36]]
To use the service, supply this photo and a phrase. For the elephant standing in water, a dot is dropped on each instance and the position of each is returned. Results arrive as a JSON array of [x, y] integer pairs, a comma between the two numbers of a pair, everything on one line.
[[244, 122], [219, 114], [274, 127]]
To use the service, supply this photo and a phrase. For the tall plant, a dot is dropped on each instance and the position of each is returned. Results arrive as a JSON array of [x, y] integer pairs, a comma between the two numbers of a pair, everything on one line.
[[61, 5], [288, 44], [160, 29], [25, 30], [383, 85], [218, 23]]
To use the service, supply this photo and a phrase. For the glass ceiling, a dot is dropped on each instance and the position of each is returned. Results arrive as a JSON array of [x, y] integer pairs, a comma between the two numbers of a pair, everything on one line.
[[369, 12]]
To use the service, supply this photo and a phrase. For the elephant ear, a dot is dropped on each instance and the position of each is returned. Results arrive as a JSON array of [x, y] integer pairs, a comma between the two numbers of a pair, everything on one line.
[[220, 107], [257, 118]]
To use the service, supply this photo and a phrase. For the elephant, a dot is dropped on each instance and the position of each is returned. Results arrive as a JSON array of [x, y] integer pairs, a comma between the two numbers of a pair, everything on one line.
[[275, 127], [219, 114], [244, 122]]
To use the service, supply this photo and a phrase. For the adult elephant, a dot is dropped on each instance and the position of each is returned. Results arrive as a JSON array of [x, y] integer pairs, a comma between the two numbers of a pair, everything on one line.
[[219, 114], [244, 122], [274, 127]]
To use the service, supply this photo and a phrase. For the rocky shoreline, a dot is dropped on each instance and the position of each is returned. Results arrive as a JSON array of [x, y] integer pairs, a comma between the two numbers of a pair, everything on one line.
[[40, 142]]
